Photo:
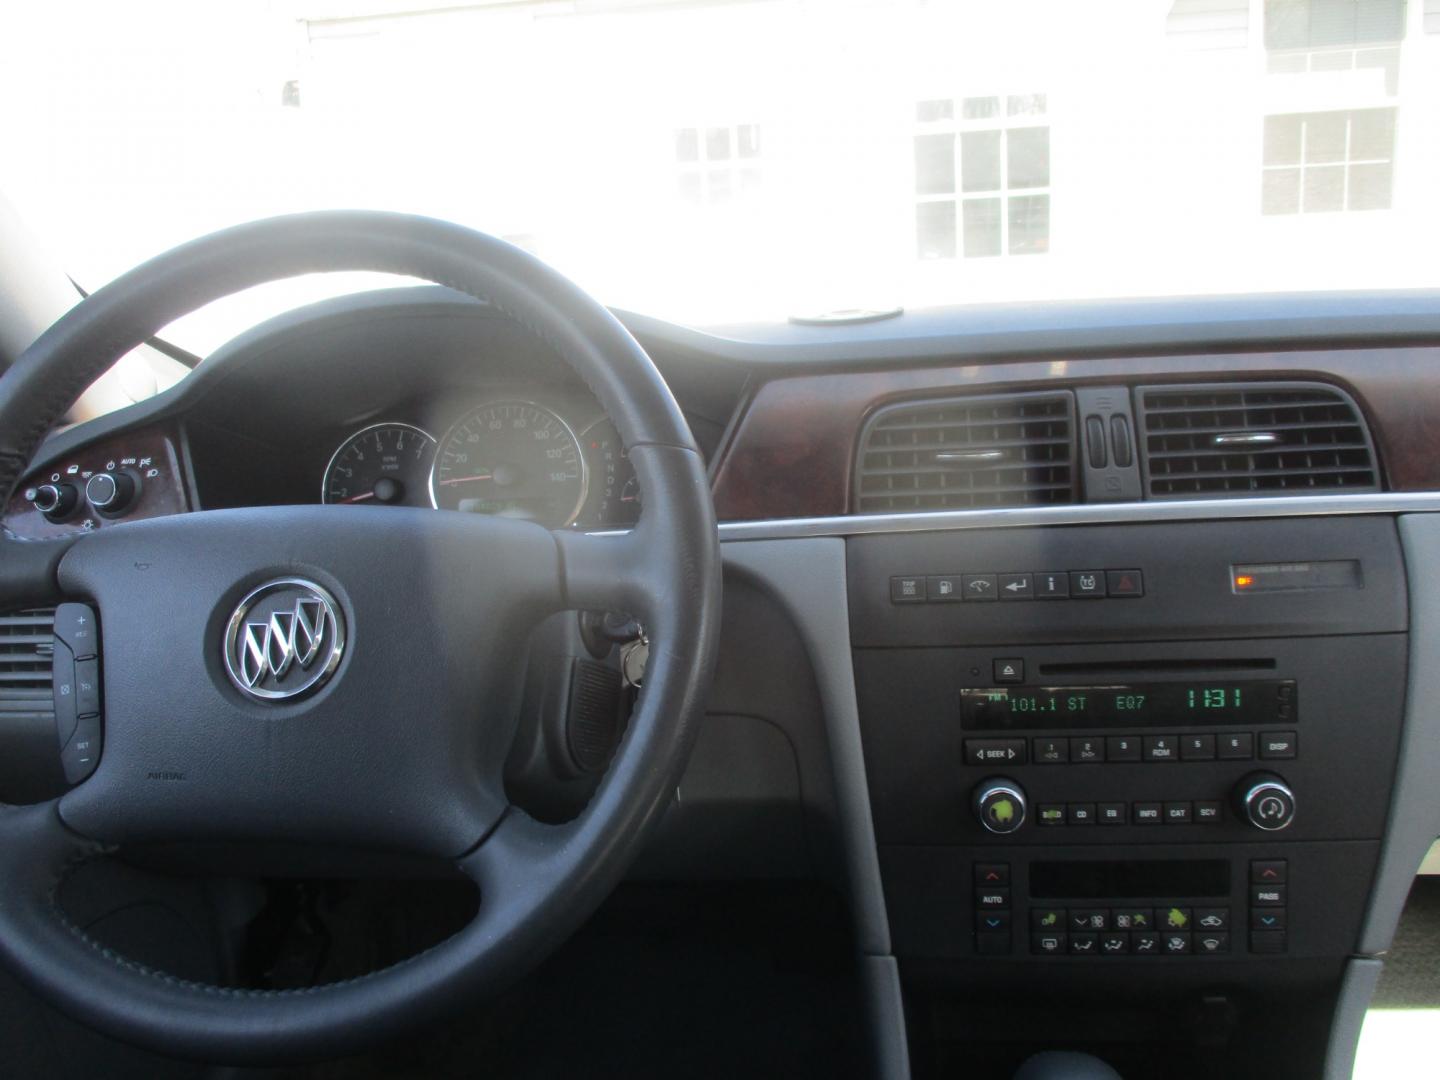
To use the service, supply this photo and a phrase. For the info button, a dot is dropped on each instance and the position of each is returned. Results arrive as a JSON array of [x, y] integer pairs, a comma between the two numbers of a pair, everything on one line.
[[995, 751]]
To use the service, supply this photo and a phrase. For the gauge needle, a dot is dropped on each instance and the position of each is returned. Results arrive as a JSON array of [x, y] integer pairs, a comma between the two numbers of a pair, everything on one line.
[[465, 479], [359, 498]]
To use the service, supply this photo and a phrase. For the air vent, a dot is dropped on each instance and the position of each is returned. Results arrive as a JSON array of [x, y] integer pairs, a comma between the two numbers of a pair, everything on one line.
[[26, 645], [959, 453], [1238, 439]]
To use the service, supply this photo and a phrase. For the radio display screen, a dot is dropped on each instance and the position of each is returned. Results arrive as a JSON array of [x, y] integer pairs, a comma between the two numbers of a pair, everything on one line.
[[1154, 704]]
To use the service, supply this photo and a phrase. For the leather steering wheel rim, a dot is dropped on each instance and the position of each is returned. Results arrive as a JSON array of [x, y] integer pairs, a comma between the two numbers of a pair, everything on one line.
[[537, 882]]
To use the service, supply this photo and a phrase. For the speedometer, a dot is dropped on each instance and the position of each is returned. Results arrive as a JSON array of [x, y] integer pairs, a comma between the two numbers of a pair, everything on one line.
[[514, 459]]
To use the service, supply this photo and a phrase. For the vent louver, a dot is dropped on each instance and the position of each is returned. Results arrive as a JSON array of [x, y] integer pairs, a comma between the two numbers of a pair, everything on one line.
[[26, 645], [959, 453], [1238, 439]]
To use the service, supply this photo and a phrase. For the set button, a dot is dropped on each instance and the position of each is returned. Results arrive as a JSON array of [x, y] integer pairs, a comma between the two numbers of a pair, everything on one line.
[[1015, 585]]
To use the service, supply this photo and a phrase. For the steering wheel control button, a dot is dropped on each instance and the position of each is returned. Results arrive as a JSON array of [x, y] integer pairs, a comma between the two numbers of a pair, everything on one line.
[[995, 751], [283, 640], [1265, 801], [82, 753], [1000, 805], [62, 678], [75, 626], [56, 501], [87, 686]]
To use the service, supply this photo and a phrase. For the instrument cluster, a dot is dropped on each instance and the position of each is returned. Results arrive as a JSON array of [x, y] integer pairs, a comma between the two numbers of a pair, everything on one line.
[[509, 456]]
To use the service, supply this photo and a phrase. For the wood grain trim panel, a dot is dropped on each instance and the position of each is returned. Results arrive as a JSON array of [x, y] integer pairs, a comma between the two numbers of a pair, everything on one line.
[[153, 454], [794, 449]]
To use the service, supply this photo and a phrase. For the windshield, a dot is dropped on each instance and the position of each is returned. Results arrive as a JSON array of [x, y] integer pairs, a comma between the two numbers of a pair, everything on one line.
[[727, 161]]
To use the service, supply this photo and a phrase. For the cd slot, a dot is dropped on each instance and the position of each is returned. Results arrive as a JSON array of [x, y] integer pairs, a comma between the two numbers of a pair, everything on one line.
[[1113, 667]]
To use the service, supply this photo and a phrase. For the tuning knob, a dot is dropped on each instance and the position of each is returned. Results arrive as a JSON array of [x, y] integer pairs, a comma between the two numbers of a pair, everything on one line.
[[55, 501], [1265, 801], [1000, 805], [110, 492]]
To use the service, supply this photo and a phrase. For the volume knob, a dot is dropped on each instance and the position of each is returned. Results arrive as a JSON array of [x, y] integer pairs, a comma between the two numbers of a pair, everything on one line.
[[1000, 805], [1265, 801]]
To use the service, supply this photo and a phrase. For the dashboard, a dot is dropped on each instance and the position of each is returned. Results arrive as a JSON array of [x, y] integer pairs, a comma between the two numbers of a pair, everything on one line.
[[1111, 640]]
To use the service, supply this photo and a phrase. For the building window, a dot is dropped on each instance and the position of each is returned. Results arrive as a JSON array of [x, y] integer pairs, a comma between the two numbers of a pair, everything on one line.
[[1305, 36], [1328, 161], [982, 177], [715, 165]]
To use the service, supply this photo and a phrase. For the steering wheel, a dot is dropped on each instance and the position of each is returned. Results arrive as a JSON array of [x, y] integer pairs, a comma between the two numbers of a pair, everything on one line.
[[408, 629]]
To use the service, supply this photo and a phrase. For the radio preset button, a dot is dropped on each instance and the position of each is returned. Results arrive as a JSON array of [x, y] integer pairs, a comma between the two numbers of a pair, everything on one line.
[[1087, 750], [1160, 748], [1051, 751], [1197, 748], [1236, 746], [1122, 748]]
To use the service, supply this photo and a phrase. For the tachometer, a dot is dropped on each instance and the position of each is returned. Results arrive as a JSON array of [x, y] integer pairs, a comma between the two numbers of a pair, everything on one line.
[[384, 464], [514, 459]]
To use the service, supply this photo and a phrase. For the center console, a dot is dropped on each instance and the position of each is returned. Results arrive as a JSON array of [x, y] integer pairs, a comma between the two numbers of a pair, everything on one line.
[[1139, 760]]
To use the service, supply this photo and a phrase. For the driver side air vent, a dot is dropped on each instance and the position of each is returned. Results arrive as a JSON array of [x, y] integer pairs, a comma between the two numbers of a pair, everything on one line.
[[26, 644], [963, 453], [1239, 439]]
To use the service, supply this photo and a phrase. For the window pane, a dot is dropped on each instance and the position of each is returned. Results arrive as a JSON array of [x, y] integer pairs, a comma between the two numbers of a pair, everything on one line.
[[1325, 137], [1370, 187], [748, 138], [1340, 60], [1029, 224], [1282, 140], [980, 161], [1285, 63], [1025, 105], [1380, 20], [934, 164], [982, 227], [940, 109], [1372, 134], [687, 144], [935, 230], [980, 108], [1387, 60], [1280, 191], [688, 185], [1287, 24], [750, 180], [719, 180], [1027, 157], [717, 144], [1324, 189], [1332, 22]]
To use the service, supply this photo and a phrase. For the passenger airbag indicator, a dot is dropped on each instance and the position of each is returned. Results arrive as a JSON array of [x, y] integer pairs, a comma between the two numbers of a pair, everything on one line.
[[1295, 576]]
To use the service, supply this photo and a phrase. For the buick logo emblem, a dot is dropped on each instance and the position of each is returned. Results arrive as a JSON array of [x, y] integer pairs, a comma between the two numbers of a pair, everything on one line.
[[284, 640]]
